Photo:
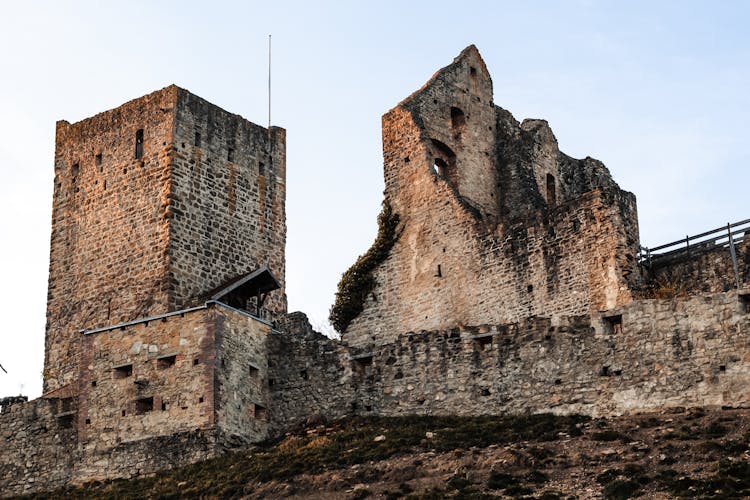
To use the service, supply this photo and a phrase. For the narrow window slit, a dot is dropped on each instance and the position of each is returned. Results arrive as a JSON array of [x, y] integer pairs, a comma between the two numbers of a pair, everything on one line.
[[139, 144], [551, 191], [458, 120]]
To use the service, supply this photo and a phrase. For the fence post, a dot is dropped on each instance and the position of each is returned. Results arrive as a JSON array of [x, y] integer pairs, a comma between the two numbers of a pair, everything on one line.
[[733, 253]]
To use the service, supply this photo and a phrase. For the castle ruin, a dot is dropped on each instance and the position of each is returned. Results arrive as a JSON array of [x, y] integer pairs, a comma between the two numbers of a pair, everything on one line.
[[506, 277]]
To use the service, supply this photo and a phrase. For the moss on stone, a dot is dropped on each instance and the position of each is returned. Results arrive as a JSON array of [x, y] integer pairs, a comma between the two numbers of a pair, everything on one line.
[[358, 282]]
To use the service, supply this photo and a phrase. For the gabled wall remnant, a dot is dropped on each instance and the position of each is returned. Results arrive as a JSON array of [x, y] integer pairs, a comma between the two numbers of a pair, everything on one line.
[[496, 223]]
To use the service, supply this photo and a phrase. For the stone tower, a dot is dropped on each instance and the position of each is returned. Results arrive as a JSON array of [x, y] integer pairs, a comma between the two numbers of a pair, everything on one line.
[[156, 204]]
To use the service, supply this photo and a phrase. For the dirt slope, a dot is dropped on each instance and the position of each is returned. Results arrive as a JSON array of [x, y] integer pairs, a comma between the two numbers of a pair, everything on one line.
[[692, 454]]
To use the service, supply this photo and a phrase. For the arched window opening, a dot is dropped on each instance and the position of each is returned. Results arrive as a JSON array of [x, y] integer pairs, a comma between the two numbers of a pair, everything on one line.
[[440, 167], [444, 164], [458, 120], [551, 191]]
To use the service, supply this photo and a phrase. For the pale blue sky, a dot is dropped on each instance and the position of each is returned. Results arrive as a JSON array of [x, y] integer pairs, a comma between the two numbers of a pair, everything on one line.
[[656, 90]]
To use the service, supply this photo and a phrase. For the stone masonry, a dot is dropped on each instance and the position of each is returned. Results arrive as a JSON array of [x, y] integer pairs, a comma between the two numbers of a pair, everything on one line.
[[157, 203], [496, 223], [509, 285]]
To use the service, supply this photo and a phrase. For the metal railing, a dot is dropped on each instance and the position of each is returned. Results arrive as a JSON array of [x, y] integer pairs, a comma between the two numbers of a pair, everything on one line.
[[723, 237]]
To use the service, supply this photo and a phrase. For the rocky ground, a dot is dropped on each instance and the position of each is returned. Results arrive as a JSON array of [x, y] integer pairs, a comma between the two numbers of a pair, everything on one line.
[[683, 453]]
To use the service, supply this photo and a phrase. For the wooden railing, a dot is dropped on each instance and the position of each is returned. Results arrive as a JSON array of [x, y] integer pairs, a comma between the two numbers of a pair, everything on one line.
[[723, 237]]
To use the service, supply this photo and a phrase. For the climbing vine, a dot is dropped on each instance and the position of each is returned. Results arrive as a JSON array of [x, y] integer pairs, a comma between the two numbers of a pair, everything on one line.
[[357, 283]]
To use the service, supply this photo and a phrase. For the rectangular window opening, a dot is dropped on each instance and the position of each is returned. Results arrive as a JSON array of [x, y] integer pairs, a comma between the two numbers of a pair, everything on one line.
[[613, 324], [484, 343], [66, 405], [144, 405], [360, 364], [230, 154], [139, 144], [254, 370], [66, 421], [166, 361], [261, 168], [196, 362], [123, 371], [745, 302], [98, 159], [604, 372], [197, 139], [259, 412]]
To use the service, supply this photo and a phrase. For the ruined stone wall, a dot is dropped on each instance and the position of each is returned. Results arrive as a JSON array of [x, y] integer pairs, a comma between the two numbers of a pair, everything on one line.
[[448, 270], [454, 115], [704, 271], [650, 355], [560, 238], [309, 375], [153, 378], [41, 451], [227, 201], [108, 256], [242, 392], [145, 456], [38, 447], [564, 264]]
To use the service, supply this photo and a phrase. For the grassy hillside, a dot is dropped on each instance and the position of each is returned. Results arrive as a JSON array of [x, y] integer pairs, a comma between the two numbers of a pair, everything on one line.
[[683, 454]]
